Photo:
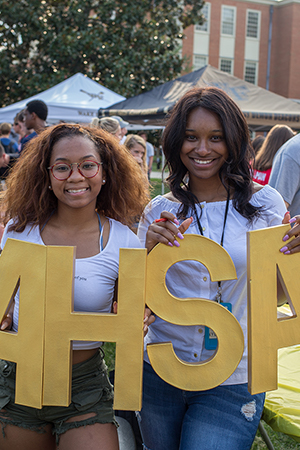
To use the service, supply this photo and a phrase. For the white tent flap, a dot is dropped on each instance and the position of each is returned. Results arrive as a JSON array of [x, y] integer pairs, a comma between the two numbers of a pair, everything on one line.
[[76, 99]]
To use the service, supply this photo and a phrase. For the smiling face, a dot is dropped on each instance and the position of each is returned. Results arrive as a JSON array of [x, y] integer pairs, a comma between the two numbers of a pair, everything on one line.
[[204, 149], [77, 191]]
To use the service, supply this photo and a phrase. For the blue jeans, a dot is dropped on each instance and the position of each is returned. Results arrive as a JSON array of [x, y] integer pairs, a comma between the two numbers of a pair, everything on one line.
[[223, 418]]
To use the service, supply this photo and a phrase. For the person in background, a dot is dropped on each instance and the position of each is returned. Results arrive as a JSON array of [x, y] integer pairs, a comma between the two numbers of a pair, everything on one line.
[[4, 165], [263, 160], [158, 157], [4, 160], [20, 127], [7, 161], [257, 142], [68, 189], [35, 114], [137, 147], [13, 135], [123, 125], [10, 146], [4, 157], [150, 152], [11, 152], [206, 138], [108, 124], [285, 175]]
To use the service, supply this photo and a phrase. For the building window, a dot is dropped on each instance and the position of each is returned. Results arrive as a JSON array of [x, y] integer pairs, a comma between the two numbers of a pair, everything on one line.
[[199, 62], [251, 72], [226, 65], [228, 21], [253, 24], [206, 14]]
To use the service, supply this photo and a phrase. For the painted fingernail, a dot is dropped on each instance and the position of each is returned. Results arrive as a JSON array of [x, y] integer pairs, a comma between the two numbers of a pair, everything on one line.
[[293, 220], [162, 219], [176, 244], [287, 213], [170, 244], [286, 237], [284, 249], [176, 221], [287, 253], [179, 235]]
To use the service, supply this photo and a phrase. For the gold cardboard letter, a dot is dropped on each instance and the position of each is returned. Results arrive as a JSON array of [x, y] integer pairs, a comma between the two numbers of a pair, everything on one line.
[[266, 334], [125, 328], [207, 374], [47, 323], [27, 263]]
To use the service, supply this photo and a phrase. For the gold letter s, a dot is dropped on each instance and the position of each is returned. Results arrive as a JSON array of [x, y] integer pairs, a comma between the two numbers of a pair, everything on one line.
[[207, 374]]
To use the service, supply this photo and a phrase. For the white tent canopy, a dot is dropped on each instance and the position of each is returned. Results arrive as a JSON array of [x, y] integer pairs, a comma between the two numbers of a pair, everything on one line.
[[76, 99]]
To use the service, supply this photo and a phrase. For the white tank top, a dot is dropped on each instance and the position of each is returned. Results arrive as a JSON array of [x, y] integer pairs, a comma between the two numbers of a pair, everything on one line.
[[94, 277]]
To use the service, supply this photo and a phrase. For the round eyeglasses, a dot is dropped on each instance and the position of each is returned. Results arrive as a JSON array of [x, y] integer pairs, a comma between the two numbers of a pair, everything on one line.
[[62, 171]]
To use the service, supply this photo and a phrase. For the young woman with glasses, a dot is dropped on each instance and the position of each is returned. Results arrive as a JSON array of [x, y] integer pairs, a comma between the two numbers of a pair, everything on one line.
[[73, 186], [207, 149]]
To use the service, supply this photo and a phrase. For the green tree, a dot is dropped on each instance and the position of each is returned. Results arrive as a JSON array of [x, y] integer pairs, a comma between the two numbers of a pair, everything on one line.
[[127, 46]]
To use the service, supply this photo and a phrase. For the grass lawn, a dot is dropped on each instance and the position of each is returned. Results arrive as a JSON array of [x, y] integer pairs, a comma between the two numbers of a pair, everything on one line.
[[280, 441], [157, 187]]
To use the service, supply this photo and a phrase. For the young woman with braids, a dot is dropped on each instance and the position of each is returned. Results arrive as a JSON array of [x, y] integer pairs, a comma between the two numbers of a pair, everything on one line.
[[207, 149], [73, 186]]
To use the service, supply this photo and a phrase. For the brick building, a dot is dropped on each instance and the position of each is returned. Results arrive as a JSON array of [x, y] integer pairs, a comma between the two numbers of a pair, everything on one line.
[[255, 40]]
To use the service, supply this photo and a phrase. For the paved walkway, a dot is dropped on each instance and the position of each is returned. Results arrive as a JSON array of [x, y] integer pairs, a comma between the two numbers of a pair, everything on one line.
[[158, 175]]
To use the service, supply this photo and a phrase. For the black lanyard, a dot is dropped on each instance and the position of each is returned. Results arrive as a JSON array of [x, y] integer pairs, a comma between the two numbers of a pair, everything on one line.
[[219, 293]]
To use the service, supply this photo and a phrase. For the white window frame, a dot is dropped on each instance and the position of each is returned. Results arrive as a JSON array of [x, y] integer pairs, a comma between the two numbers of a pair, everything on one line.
[[233, 9], [249, 11], [206, 14], [226, 60], [256, 71], [195, 67]]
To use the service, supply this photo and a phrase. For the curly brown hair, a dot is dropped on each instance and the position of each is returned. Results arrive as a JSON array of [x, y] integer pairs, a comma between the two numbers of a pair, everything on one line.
[[28, 199]]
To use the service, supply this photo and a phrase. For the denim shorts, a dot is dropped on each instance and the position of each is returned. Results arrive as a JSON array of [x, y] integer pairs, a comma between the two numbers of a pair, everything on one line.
[[92, 392], [222, 418]]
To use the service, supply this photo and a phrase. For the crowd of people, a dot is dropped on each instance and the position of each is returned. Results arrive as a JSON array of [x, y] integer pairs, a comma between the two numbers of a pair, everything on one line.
[[87, 187]]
